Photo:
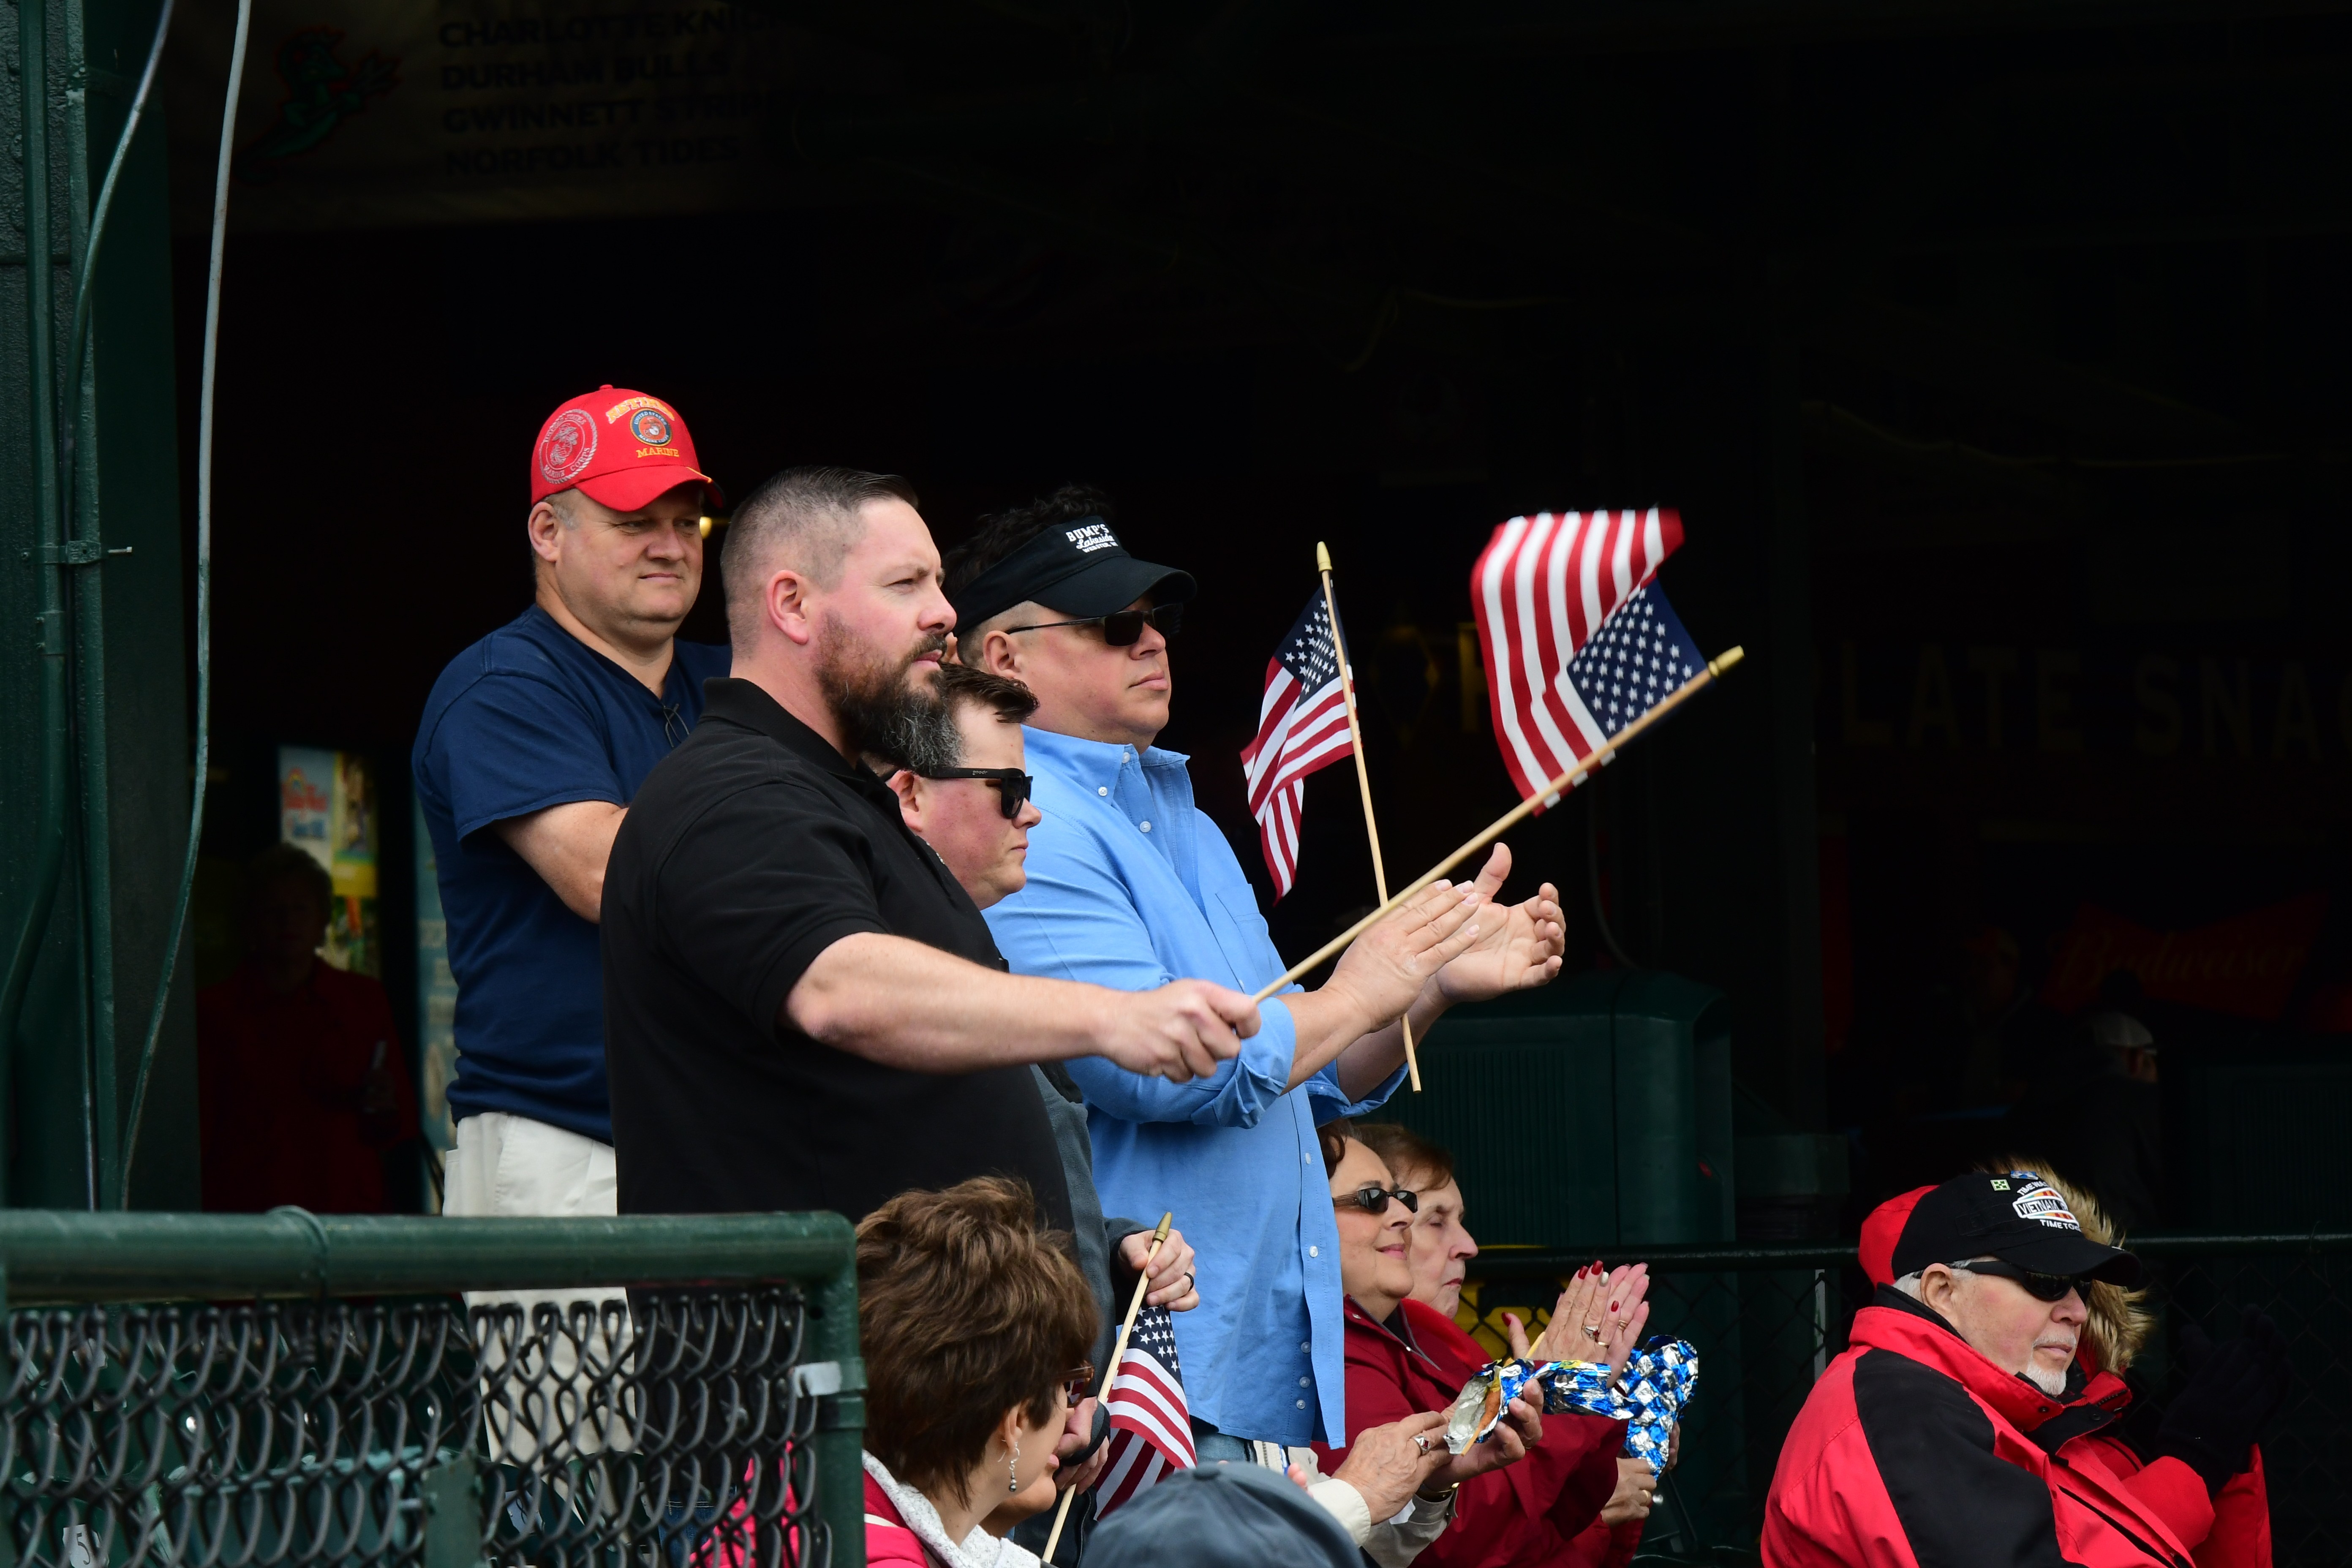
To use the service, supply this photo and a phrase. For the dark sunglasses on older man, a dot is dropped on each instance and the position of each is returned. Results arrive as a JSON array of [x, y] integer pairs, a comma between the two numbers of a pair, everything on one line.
[[1011, 785], [1121, 628], [2040, 1287], [1373, 1198]]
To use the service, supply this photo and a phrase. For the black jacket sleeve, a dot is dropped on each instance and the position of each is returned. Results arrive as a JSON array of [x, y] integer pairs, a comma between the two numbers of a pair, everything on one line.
[[1961, 1505]]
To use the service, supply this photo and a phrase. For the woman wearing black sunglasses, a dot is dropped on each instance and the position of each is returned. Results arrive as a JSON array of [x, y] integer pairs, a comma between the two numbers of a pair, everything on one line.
[[1392, 1379]]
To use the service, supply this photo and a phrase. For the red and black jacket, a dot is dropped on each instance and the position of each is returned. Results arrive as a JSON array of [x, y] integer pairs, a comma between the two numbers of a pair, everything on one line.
[[1914, 1451]]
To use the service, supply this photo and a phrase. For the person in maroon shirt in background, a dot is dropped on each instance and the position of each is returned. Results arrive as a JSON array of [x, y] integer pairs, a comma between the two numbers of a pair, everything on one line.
[[299, 1077]]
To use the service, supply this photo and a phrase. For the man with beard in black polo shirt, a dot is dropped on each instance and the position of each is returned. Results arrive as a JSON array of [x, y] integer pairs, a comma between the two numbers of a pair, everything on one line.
[[803, 1010]]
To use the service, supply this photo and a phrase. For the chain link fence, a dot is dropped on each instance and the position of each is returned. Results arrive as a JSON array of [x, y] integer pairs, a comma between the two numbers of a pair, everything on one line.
[[284, 1390], [1768, 1319]]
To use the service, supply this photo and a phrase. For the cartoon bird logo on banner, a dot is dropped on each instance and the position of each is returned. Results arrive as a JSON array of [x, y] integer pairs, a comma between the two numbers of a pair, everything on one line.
[[1577, 639]]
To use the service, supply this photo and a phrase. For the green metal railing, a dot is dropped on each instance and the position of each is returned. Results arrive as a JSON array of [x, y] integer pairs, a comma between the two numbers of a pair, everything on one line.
[[1766, 1318], [215, 1390]]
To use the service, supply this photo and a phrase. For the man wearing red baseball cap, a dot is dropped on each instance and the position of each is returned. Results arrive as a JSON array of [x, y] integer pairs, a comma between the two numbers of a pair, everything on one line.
[[532, 744]]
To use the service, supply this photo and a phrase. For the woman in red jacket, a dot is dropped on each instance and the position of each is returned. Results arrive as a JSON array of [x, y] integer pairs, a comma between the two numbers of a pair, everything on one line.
[[1401, 1362], [975, 1325], [1599, 1499]]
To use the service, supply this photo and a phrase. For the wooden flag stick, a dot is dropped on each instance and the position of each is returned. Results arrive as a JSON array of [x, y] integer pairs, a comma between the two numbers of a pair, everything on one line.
[[1363, 778], [1110, 1372], [1714, 669]]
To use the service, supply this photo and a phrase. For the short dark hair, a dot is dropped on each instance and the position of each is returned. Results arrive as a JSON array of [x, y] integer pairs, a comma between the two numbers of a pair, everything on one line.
[[1403, 1151], [811, 510], [964, 683], [998, 534], [966, 1307], [284, 862]]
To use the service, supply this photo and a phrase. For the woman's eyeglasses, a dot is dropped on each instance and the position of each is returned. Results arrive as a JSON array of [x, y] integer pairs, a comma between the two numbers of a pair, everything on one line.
[[1122, 628], [2040, 1287], [1078, 1383], [1373, 1199], [1011, 785]]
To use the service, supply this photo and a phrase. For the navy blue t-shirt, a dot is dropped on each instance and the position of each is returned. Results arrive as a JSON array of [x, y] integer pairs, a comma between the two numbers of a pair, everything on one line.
[[527, 718]]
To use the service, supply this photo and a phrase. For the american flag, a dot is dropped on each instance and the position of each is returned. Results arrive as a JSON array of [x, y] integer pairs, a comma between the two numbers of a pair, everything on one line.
[[1302, 725], [1542, 589], [1150, 1426]]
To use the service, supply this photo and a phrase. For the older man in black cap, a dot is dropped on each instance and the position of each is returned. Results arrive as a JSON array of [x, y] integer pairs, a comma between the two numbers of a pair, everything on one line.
[[1951, 1434], [1130, 885]]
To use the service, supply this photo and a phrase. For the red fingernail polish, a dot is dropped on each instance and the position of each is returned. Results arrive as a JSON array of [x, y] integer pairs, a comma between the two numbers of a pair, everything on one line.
[[1613, 1306]]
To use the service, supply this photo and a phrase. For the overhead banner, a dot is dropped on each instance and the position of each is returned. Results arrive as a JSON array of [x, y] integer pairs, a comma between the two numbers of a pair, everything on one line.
[[364, 114]]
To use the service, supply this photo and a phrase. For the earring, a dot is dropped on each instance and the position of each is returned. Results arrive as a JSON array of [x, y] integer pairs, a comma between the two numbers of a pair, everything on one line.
[[1013, 1470]]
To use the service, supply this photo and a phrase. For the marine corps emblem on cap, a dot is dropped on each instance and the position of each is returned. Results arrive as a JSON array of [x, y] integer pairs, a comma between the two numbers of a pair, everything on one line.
[[566, 447], [650, 451]]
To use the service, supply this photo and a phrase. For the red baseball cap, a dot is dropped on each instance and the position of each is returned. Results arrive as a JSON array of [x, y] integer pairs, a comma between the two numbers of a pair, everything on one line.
[[622, 448]]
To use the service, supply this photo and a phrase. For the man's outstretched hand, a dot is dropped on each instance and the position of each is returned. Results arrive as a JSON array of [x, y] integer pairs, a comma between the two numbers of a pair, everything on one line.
[[1179, 1032], [1519, 946]]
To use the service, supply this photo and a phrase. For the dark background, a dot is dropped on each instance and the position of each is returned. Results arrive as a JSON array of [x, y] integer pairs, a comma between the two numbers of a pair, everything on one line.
[[2007, 328]]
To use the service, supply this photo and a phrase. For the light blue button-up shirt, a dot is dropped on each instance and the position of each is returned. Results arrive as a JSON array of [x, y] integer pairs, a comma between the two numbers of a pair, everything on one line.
[[1130, 885]]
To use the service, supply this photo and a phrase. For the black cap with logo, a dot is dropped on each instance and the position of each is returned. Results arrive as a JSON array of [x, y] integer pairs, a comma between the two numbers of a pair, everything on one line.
[[2018, 1217], [1077, 568]]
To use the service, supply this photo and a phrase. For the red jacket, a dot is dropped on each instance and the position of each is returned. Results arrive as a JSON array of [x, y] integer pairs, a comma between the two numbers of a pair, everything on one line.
[[2240, 1536], [887, 1538], [1524, 1516], [1914, 1451], [279, 1086]]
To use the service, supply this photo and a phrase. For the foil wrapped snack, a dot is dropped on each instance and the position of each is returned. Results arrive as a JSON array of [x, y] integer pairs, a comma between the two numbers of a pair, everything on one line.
[[1648, 1396]]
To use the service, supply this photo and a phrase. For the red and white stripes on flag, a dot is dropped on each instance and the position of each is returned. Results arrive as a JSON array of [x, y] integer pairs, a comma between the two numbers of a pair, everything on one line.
[[1150, 1426], [1543, 586], [1302, 725]]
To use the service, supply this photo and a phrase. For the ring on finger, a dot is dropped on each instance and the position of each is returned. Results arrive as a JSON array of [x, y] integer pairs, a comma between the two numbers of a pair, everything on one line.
[[1420, 1442]]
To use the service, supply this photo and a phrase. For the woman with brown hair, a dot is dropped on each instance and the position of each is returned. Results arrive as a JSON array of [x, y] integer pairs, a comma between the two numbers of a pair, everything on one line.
[[975, 1325]]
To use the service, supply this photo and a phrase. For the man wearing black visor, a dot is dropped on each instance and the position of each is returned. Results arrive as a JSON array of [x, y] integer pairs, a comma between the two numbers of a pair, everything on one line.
[[1130, 885], [1954, 1432]]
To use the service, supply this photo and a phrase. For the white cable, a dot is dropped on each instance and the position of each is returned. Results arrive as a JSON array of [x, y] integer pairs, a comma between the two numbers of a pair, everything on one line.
[[204, 588]]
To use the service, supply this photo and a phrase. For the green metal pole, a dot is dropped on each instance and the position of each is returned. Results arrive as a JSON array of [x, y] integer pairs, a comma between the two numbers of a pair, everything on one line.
[[56, 1255], [840, 1419], [49, 627], [81, 527]]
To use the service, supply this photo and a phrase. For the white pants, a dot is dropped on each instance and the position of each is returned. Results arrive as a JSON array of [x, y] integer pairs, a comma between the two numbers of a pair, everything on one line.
[[508, 1167]]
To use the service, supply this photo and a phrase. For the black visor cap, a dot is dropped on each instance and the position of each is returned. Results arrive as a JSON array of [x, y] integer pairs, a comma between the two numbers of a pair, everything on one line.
[[1077, 569]]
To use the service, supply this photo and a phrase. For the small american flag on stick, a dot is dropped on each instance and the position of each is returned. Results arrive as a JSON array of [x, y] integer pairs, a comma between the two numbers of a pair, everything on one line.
[[1302, 725], [1545, 586], [1150, 1424]]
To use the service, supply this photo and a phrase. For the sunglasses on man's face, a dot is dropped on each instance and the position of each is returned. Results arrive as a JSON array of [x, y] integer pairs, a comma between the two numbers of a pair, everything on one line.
[[1373, 1199], [1121, 628], [2040, 1287], [1012, 785]]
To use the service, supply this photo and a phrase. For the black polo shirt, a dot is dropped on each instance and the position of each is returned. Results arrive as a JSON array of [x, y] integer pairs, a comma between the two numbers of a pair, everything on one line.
[[749, 850]]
